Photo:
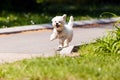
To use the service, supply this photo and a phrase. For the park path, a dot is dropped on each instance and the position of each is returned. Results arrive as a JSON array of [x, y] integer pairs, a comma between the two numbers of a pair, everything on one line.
[[31, 44]]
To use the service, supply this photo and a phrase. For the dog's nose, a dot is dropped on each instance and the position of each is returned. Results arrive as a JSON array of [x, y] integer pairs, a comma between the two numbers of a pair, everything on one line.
[[57, 25]]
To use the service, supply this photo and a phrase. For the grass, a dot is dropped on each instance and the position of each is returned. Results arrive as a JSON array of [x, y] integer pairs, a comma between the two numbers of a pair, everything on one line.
[[111, 42], [85, 67], [11, 19]]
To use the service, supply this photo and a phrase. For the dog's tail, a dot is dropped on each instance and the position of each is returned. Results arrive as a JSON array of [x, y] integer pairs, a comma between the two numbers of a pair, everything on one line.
[[71, 21]]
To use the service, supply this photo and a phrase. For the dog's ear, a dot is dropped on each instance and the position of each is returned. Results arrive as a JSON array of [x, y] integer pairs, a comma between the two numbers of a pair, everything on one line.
[[64, 16], [52, 19]]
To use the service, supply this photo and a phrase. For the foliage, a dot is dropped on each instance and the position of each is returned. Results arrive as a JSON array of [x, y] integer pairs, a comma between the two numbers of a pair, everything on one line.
[[111, 42], [78, 1], [108, 14], [58, 5]]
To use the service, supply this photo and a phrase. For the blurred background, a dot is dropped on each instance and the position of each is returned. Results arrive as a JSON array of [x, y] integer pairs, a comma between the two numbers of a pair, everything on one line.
[[26, 12]]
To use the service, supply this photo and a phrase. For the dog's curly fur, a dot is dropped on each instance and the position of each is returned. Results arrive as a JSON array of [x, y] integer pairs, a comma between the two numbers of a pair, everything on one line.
[[62, 31]]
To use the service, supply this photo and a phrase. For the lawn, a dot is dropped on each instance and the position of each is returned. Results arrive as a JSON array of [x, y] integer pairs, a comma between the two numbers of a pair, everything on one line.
[[84, 67], [11, 19]]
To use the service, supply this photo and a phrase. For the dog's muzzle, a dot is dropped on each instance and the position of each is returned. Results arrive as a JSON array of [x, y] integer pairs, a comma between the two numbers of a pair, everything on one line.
[[57, 25]]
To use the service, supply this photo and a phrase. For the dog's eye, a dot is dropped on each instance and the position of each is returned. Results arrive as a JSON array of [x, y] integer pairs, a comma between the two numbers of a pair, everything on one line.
[[59, 21]]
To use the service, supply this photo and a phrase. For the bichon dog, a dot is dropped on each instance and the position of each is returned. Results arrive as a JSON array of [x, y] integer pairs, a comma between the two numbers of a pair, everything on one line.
[[62, 31]]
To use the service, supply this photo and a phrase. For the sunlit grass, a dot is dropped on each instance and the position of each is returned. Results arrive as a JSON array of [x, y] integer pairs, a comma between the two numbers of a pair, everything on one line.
[[87, 66], [11, 19]]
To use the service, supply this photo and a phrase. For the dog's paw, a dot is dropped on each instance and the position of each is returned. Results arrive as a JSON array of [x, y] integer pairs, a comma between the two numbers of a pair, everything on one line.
[[59, 49], [52, 37]]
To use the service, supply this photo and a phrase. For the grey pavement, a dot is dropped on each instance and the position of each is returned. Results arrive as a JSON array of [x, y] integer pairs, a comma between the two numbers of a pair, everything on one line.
[[35, 44], [27, 45]]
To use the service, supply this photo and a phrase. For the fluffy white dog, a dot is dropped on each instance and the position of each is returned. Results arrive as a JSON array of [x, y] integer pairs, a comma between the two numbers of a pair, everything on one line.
[[61, 31]]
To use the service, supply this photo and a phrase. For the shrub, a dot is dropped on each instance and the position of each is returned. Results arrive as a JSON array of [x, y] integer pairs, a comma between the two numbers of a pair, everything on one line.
[[111, 42]]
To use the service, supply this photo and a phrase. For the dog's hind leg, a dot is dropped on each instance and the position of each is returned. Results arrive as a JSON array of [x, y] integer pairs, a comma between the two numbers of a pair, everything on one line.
[[61, 43]]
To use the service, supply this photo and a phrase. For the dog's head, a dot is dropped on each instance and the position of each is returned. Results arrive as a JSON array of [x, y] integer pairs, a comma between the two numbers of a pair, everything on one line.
[[58, 22]]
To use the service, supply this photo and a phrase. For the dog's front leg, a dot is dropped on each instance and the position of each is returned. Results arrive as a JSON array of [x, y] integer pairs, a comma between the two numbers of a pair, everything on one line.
[[53, 35], [66, 43]]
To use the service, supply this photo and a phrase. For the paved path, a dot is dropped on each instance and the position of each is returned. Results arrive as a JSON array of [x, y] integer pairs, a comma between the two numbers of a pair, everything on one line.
[[36, 43]]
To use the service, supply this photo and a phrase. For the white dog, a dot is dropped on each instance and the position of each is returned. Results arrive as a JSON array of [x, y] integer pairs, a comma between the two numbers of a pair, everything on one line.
[[61, 31]]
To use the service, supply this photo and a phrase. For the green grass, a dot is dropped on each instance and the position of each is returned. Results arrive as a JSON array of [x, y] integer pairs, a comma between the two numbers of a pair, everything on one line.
[[111, 42], [87, 66], [11, 19]]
